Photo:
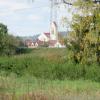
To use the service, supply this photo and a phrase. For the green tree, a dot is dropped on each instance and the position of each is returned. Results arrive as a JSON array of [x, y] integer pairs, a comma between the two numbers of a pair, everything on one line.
[[85, 37], [12, 44], [8, 43], [3, 38]]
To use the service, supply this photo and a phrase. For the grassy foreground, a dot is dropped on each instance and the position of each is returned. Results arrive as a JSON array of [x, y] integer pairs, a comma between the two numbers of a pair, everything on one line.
[[30, 88], [47, 74]]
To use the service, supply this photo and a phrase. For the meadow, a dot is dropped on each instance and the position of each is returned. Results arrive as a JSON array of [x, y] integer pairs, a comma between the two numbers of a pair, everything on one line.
[[47, 74]]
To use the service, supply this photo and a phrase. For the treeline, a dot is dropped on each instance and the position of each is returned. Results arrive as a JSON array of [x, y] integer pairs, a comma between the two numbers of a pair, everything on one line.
[[9, 44]]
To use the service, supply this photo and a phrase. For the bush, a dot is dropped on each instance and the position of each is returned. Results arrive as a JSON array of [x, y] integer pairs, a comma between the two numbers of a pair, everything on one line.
[[93, 73], [23, 50], [41, 65]]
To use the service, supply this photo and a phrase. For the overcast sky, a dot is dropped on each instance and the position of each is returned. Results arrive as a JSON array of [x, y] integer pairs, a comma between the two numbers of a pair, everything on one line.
[[24, 18]]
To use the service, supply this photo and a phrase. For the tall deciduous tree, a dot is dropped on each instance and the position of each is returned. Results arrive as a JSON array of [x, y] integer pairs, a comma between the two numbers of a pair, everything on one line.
[[86, 30]]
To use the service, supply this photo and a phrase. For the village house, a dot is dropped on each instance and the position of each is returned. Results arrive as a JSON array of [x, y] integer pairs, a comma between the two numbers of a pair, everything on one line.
[[30, 44], [44, 37], [47, 39]]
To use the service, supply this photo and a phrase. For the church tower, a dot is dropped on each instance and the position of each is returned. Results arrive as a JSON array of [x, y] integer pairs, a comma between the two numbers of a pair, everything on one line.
[[53, 31], [54, 19]]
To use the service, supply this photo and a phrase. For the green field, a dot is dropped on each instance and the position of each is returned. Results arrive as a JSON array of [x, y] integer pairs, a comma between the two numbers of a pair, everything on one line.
[[47, 74]]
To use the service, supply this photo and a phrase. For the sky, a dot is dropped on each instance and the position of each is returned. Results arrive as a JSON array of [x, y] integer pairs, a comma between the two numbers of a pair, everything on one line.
[[24, 18]]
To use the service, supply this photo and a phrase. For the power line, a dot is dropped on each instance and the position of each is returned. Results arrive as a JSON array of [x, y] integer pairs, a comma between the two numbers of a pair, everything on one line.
[[16, 10], [32, 8]]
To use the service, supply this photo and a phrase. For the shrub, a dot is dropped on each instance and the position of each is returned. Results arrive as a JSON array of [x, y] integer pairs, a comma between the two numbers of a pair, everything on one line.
[[39, 65], [23, 50]]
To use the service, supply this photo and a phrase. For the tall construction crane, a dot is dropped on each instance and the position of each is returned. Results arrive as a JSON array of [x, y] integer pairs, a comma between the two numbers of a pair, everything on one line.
[[54, 8], [55, 4]]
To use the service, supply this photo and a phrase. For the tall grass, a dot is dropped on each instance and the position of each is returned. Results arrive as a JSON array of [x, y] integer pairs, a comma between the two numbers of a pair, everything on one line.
[[49, 64], [31, 88]]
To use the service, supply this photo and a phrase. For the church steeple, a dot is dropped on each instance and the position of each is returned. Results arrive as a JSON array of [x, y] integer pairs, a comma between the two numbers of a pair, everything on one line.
[[54, 31]]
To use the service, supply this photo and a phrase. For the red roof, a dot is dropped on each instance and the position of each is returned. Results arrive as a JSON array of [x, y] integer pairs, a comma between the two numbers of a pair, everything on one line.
[[39, 42], [47, 34], [28, 42], [52, 42]]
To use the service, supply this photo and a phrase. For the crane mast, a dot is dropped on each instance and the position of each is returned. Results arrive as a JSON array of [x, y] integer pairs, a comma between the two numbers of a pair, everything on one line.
[[54, 16], [54, 19]]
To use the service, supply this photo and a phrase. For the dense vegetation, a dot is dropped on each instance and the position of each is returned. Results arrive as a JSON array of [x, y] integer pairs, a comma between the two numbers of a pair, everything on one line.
[[47, 74], [49, 64], [8, 43]]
